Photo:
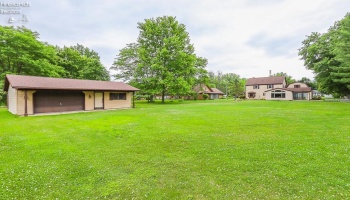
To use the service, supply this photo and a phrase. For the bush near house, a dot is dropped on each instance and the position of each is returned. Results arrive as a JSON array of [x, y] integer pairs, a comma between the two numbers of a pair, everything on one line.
[[205, 96], [242, 97], [317, 98]]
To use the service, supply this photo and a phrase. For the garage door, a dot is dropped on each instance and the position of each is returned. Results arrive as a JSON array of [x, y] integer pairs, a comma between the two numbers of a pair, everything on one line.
[[58, 101]]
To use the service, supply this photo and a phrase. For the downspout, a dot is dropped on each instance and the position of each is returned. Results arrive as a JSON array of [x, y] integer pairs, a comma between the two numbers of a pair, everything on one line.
[[25, 103], [133, 99]]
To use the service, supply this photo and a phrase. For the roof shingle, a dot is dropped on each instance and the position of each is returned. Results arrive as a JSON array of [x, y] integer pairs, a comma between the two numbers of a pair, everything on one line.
[[45, 83], [216, 91], [266, 80]]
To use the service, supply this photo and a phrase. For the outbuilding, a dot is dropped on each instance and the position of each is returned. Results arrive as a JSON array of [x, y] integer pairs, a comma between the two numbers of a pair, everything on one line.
[[28, 95], [213, 93]]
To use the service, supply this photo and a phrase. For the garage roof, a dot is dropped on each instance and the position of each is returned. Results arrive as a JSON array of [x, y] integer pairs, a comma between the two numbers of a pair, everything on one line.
[[48, 83]]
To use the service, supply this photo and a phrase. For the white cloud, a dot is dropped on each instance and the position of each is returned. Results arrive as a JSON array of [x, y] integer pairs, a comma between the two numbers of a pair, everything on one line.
[[246, 37]]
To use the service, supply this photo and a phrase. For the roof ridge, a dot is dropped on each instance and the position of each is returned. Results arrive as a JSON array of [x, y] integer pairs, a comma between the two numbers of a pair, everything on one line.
[[54, 83], [61, 78]]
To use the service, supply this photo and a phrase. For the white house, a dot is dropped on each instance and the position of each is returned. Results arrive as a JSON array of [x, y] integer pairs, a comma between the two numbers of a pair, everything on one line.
[[275, 88]]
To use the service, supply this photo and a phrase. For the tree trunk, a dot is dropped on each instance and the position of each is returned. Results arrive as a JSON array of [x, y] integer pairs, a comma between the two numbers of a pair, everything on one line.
[[163, 94]]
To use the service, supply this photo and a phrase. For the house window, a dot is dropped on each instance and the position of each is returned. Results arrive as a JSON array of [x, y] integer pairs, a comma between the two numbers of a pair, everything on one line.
[[296, 86], [278, 94], [117, 96], [251, 94], [300, 96], [269, 86], [256, 86]]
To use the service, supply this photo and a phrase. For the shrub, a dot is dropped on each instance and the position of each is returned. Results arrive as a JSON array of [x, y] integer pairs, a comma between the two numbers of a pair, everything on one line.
[[317, 98], [194, 95], [205, 96], [3, 99], [242, 97]]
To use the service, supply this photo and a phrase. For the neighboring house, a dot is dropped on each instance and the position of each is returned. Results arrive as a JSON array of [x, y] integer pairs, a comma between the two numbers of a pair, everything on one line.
[[316, 93], [275, 88], [28, 95], [213, 93]]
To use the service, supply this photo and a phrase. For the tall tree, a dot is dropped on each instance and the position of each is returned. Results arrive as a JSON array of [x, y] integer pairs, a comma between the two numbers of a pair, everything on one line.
[[229, 83], [327, 55], [163, 59], [82, 63], [126, 64], [21, 52], [309, 82], [201, 75], [341, 73], [289, 78]]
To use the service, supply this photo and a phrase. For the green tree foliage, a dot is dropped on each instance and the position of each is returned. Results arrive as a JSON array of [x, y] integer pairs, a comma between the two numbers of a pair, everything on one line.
[[81, 63], [201, 75], [230, 83], [341, 73], [327, 55], [127, 63], [289, 78], [205, 96], [21, 52], [309, 82], [162, 61]]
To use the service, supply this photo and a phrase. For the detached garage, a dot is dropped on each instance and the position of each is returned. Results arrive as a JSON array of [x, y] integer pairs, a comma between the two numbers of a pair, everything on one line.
[[28, 95]]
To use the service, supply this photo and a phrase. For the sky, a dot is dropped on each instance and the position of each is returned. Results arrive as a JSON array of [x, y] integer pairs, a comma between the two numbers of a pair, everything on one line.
[[245, 37]]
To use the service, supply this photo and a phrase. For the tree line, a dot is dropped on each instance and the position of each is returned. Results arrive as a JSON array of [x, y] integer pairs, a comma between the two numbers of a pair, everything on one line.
[[328, 56], [162, 60], [21, 52]]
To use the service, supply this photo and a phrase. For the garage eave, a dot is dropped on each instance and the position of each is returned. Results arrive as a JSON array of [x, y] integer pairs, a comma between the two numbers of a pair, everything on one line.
[[48, 83]]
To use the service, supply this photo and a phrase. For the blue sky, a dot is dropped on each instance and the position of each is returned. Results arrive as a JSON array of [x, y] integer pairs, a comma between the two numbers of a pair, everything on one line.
[[246, 37]]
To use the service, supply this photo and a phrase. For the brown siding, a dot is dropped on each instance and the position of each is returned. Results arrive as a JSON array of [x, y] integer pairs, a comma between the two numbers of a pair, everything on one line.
[[58, 101], [200, 97]]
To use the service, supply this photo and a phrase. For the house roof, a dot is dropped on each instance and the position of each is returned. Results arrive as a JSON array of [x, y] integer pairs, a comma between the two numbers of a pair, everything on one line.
[[48, 83], [266, 80], [216, 91], [296, 83], [200, 88], [302, 89]]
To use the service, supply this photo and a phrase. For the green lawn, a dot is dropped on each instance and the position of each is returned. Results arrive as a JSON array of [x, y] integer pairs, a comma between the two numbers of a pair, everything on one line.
[[180, 150]]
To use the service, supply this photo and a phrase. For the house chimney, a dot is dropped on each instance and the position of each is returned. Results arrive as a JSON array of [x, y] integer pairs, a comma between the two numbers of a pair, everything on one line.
[[270, 72]]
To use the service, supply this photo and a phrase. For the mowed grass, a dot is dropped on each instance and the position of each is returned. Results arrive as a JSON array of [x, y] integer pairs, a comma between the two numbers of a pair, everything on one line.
[[180, 150]]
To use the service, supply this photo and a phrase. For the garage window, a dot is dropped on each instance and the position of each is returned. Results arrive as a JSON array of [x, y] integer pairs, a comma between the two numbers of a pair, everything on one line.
[[117, 96]]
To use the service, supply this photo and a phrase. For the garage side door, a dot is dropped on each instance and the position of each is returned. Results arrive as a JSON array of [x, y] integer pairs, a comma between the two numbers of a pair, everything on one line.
[[58, 101]]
